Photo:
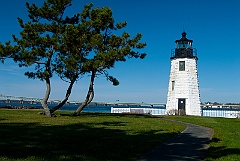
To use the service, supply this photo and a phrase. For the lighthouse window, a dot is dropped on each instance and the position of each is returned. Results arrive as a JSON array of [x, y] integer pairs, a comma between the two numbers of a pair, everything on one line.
[[181, 65], [173, 84]]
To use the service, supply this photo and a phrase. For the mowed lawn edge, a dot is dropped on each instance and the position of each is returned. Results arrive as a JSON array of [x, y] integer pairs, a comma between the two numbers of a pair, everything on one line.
[[26, 135], [225, 144]]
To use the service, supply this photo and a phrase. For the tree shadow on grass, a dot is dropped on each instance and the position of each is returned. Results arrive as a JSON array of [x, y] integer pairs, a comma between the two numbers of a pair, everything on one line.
[[95, 114], [218, 152], [107, 123], [214, 153], [74, 142], [182, 147]]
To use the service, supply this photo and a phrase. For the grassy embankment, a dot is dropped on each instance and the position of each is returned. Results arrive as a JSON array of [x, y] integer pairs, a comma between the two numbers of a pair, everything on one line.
[[26, 135], [225, 145]]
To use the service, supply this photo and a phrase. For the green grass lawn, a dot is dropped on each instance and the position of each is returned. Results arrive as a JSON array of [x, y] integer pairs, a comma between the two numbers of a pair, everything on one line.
[[26, 135], [225, 144]]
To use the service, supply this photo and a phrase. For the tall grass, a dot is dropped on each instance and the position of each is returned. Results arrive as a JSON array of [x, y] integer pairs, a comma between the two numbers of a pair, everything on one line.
[[26, 135]]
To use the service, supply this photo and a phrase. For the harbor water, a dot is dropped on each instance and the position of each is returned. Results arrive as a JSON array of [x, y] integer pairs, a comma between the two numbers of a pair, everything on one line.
[[100, 108]]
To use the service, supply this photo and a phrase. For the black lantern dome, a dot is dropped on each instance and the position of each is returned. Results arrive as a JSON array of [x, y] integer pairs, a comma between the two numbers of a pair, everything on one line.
[[184, 48]]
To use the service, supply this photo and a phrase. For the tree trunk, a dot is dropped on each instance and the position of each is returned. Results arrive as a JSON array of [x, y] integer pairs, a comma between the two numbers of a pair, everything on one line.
[[45, 99], [89, 97], [48, 88], [68, 93]]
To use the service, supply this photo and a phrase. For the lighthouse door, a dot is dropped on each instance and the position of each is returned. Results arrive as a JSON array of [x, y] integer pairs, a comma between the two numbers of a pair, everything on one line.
[[181, 106]]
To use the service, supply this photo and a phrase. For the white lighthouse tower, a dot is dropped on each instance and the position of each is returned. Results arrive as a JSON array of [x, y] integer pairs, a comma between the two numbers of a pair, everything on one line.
[[183, 91]]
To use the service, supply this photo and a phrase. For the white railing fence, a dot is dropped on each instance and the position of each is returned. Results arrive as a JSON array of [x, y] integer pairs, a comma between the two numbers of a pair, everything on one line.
[[221, 112], [152, 111], [210, 112]]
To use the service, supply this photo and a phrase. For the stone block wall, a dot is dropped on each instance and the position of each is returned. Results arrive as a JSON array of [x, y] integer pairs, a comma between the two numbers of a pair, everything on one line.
[[184, 85]]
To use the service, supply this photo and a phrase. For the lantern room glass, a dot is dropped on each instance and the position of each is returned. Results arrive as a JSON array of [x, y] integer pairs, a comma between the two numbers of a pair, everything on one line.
[[183, 45]]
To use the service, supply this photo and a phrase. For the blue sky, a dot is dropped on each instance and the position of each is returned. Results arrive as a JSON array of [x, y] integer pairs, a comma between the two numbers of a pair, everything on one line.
[[213, 25]]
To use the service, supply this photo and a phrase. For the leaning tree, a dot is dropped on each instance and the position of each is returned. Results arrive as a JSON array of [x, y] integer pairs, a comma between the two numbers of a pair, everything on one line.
[[71, 46], [41, 44], [100, 50], [74, 50], [107, 48]]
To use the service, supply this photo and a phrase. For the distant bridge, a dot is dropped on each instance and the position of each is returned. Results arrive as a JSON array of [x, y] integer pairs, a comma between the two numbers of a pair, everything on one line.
[[118, 103], [22, 98]]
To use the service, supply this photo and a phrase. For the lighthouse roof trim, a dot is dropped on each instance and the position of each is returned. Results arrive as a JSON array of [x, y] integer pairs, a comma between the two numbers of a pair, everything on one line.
[[184, 38]]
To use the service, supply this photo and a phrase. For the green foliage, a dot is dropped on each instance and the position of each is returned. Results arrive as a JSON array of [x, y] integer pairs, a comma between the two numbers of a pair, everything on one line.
[[71, 46], [108, 48], [40, 41], [6, 51], [113, 80], [91, 46]]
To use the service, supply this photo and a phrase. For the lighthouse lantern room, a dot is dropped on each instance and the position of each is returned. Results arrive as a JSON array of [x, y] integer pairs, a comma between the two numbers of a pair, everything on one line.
[[183, 92]]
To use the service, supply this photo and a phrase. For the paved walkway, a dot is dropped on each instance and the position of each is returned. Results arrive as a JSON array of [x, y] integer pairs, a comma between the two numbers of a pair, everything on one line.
[[190, 145]]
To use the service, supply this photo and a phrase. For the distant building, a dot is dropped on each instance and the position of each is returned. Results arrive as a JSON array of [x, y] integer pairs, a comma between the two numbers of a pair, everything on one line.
[[183, 92]]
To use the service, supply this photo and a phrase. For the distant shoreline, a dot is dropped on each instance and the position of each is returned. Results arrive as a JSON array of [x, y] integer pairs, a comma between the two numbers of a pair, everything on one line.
[[20, 107]]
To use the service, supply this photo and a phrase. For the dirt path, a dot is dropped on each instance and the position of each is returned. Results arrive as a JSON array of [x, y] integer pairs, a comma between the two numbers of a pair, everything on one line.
[[190, 145]]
